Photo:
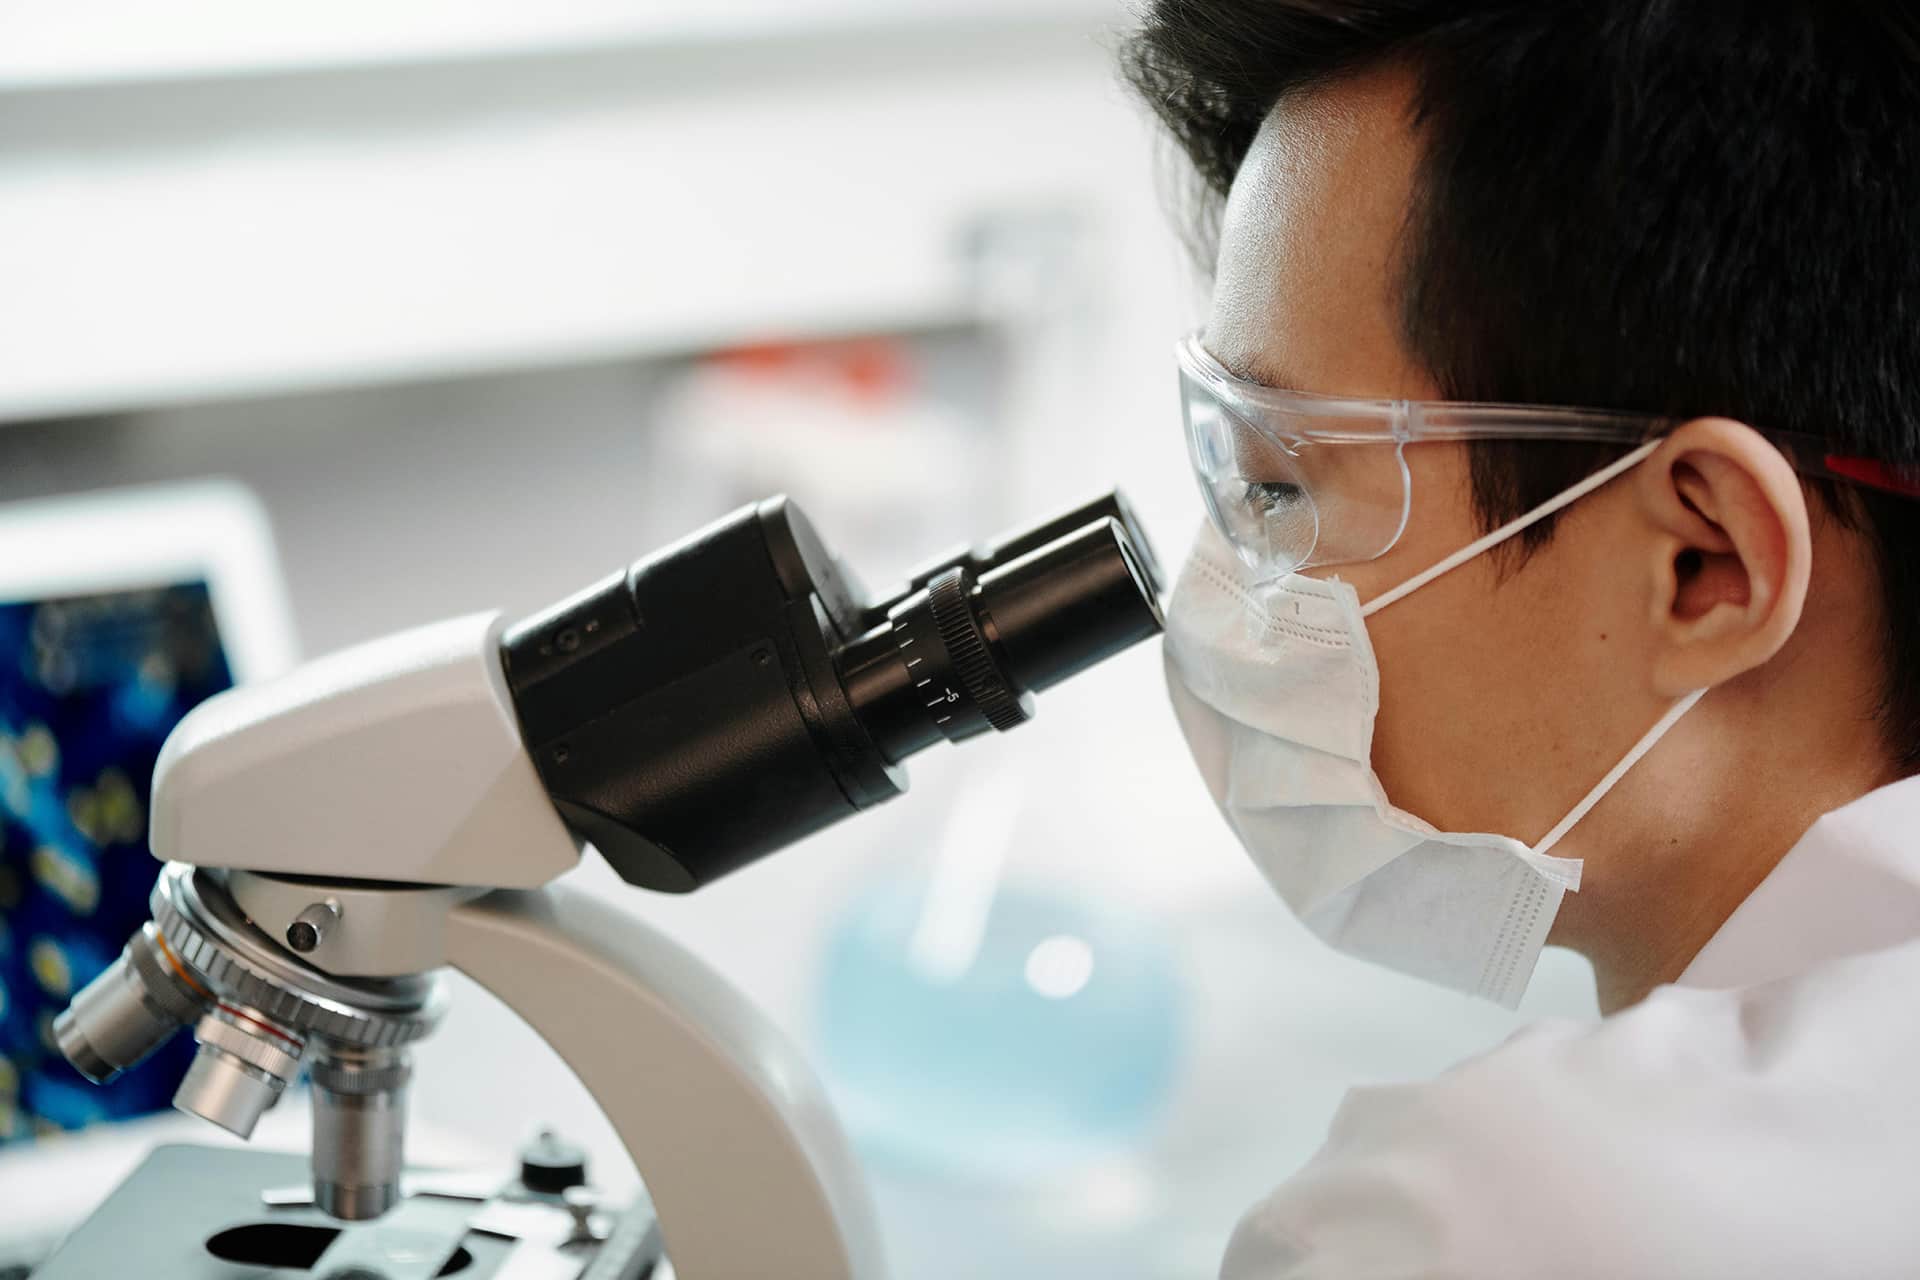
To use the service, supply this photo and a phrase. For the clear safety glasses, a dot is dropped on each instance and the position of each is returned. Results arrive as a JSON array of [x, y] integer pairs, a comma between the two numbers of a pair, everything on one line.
[[1294, 479]]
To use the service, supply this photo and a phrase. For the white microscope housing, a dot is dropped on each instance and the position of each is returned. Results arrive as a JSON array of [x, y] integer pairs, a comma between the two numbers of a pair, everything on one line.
[[363, 807]]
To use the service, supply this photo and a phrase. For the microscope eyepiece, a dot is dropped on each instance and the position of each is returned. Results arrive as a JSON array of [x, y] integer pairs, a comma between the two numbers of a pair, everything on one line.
[[967, 650], [734, 692]]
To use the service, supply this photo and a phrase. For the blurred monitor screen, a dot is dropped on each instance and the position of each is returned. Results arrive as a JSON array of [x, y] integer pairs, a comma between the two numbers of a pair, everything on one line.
[[89, 688], [91, 683]]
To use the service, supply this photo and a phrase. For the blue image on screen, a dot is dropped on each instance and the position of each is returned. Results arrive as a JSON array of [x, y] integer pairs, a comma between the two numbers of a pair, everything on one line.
[[90, 686]]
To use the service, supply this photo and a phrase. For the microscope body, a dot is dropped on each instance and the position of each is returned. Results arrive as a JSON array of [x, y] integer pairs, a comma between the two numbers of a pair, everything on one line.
[[373, 817], [336, 836], [396, 760]]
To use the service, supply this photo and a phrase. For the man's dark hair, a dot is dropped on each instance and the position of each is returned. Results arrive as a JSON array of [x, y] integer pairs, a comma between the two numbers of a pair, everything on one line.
[[1680, 207]]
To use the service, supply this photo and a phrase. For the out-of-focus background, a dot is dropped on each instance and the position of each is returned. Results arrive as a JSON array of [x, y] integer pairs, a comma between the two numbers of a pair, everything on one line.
[[483, 299]]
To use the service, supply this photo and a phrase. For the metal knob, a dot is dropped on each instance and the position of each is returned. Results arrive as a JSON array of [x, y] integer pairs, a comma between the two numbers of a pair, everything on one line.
[[310, 926], [581, 1205]]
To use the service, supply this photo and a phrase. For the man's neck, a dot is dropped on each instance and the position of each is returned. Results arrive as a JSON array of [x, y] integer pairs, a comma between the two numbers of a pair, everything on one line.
[[1628, 964], [1644, 916]]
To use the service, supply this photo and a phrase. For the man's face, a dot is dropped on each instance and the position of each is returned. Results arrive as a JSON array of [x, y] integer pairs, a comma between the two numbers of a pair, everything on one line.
[[1503, 696]]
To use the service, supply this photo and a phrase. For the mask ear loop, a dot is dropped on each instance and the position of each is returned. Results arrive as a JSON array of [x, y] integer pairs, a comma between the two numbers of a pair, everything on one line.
[[1619, 771], [1483, 544], [1480, 546]]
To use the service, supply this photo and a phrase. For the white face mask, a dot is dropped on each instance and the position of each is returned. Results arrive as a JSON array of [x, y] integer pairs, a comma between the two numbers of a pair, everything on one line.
[[1276, 688]]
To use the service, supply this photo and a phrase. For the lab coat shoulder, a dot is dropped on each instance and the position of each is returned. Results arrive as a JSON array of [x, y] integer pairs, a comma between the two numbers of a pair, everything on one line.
[[1767, 1131]]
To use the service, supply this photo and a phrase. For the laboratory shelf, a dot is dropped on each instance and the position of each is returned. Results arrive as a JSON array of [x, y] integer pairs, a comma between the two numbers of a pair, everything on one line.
[[168, 240]]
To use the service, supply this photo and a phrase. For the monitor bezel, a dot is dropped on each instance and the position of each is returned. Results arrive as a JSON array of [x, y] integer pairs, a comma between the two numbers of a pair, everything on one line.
[[211, 531]]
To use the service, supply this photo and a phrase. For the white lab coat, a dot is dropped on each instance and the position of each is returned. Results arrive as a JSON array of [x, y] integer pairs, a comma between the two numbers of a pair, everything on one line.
[[1758, 1119]]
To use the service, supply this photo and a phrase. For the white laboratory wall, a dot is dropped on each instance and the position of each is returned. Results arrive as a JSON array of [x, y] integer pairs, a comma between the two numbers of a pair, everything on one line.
[[428, 289]]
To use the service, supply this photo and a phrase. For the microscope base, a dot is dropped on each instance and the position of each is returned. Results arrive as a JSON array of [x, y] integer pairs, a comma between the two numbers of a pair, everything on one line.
[[224, 1213]]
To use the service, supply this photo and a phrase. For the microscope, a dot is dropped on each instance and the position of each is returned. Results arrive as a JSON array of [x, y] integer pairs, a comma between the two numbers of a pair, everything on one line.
[[335, 837]]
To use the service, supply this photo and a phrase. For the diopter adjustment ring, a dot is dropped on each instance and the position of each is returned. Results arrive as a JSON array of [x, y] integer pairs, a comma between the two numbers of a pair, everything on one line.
[[967, 650]]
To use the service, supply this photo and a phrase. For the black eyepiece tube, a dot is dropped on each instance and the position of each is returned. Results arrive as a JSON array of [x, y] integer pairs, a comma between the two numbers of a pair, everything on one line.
[[1059, 609], [728, 695], [1112, 505]]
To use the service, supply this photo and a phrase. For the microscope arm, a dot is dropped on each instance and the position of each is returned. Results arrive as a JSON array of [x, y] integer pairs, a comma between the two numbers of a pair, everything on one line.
[[733, 1135]]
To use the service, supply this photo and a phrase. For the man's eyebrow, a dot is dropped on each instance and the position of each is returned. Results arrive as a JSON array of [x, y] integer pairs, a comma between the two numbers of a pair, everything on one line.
[[1258, 370]]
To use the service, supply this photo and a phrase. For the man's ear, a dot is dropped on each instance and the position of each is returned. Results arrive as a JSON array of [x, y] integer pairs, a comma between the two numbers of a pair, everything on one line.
[[1731, 554]]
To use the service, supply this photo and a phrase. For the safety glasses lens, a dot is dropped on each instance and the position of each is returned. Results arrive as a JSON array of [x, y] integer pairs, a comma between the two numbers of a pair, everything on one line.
[[1253, 490], [1298, 492]]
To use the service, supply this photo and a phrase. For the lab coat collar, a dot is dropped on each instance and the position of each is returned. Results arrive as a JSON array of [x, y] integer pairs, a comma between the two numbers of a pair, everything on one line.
[[1851, 885]]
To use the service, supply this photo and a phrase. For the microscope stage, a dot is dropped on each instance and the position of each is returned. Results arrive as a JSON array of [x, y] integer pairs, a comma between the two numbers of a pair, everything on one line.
[[214, 1213]]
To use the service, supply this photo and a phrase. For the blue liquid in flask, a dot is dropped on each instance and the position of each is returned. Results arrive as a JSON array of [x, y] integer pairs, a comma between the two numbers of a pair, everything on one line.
[[1044, 1035]]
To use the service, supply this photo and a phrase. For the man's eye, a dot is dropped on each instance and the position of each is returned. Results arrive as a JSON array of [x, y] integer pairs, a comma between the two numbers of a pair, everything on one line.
[[1266, 496]]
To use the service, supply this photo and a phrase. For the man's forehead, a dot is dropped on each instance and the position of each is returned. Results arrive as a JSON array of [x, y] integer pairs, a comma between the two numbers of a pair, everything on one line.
[[1305, 292]]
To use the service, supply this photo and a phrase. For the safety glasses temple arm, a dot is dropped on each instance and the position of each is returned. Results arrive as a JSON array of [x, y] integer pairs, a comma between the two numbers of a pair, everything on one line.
[[1346, 420]]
